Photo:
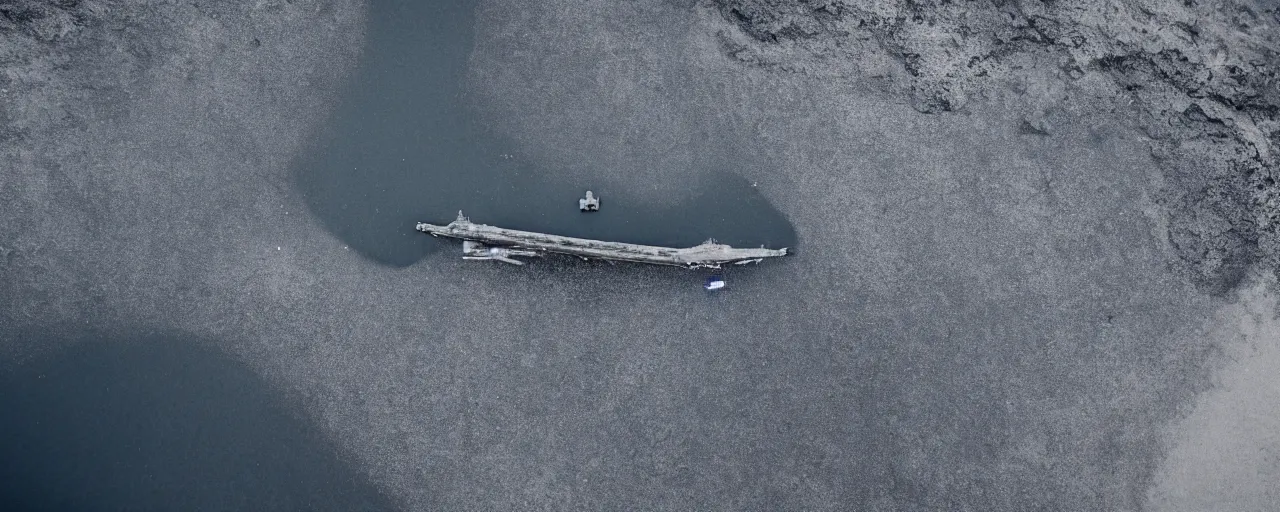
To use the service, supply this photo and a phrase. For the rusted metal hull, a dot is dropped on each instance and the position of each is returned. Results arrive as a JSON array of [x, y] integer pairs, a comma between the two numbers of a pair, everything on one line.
[[706, 255]]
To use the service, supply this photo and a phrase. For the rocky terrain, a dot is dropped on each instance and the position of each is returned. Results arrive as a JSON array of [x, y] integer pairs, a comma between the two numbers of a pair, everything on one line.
[[1199, 78]]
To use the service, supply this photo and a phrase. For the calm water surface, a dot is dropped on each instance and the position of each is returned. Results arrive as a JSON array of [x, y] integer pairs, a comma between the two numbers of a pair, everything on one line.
[[403, 148], [161, 424]]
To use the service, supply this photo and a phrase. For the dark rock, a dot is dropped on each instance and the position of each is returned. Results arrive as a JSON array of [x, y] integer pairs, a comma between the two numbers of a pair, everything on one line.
[[1234, 79]]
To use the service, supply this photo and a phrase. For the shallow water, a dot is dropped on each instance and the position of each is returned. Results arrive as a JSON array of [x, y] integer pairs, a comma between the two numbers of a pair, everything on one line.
[[161, 424], [403, 147]]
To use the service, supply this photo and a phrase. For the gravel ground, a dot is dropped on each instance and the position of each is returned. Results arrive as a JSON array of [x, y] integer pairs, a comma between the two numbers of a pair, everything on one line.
[[1034, 281]]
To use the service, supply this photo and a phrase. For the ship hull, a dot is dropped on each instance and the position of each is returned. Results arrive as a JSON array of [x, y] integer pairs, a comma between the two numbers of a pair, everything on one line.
[[706, 255]]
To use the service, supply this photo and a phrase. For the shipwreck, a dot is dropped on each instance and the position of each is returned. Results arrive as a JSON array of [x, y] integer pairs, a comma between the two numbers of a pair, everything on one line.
[[483, 242]]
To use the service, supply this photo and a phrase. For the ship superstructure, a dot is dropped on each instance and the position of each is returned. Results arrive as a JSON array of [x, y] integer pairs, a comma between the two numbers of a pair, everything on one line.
[[484, 242]]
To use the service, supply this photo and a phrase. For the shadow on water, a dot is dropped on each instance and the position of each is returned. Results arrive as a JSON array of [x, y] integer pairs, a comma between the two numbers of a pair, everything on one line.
[[402, 148], [162, 424]]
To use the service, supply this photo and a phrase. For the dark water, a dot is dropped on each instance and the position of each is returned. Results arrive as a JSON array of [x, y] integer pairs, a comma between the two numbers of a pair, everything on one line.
[[403, 148], [161, 424]]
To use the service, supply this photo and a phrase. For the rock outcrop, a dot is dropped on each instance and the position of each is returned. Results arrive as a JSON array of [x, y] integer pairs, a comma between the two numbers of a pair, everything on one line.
[[1200, 79]]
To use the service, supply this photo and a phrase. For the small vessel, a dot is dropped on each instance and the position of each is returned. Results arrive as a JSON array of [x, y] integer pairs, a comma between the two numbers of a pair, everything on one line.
[[714, 283], [484, 242], [590, 203]]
